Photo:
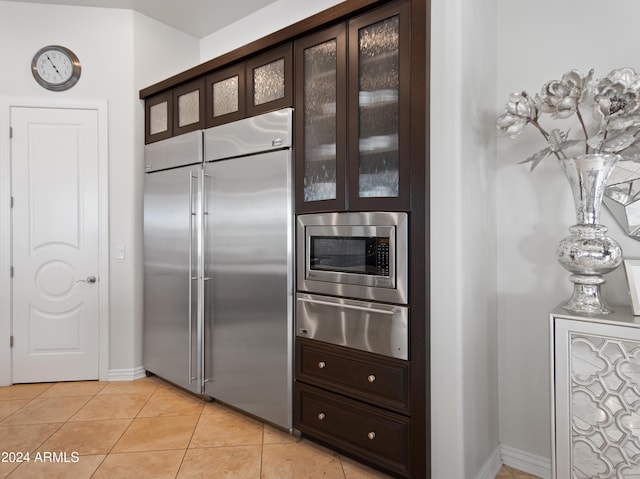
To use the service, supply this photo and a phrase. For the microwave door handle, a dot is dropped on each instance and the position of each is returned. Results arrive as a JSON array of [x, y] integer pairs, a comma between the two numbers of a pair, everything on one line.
[[346, 306]]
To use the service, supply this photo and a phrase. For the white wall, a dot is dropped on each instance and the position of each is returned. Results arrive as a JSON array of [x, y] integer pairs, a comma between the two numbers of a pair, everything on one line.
[[115, 48], [464, 380], [160, 52], [539, 41], [267, 20]]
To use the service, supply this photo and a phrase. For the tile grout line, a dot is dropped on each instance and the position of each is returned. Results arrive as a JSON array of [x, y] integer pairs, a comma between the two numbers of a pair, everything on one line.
[[89, 398], [131, 422], [190, 438], [45, 440], [261, 453], [69, 420], [29, 400], [123, 432], [107, 454], [25, 405], [60, 424]]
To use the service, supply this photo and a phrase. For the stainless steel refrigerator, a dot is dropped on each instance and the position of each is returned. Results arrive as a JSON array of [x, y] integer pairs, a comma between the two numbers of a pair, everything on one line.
[[218, 263]]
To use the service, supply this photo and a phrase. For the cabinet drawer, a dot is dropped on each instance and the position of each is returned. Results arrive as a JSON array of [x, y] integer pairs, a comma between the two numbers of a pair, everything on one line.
[[375, 435], [372, 378]]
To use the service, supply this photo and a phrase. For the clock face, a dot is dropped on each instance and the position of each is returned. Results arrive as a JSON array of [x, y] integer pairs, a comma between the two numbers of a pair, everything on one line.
[[55, 68]]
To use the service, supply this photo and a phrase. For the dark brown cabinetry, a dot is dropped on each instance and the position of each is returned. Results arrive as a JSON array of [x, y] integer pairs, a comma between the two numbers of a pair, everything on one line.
[[357, 77], [262, 83], [158, 117], [355, 400], [360, 126], [270, 81], [321, 120], [225, 95], [376, 435], [188, 107], [376, 379], [352, 102], [175, 112]]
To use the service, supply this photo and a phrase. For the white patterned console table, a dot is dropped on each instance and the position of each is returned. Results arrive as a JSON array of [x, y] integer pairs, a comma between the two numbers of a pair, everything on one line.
[[595, 389]]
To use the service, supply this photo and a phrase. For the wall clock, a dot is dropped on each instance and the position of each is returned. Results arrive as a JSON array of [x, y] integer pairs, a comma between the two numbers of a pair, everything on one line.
[[56, 68]]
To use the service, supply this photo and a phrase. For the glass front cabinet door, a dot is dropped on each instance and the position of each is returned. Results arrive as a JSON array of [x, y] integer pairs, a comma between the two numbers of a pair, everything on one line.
[[225, 98], [321, 116], [174, 112], [379, 47], [269, 85], [352, 108], [188, 107], [158, 117]]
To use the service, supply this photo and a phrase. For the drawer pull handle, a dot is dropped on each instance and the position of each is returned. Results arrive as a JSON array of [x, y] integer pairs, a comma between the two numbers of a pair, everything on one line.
[[322, 415], [371, 435], [390, 311], [322, 364], [371, 378]]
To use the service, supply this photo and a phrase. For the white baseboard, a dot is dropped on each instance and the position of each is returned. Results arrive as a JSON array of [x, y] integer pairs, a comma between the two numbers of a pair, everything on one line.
[[126, 374], [526, 462], [492, 466]]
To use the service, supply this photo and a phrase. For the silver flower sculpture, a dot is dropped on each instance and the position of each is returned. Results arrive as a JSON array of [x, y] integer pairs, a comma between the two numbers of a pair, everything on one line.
[[614, 101]]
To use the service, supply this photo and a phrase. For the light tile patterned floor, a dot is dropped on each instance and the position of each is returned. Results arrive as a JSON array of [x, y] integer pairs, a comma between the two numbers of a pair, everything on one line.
[[510, 473], [148, 429]]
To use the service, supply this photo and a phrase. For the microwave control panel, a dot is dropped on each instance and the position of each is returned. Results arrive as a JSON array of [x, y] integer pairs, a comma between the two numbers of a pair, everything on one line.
[[382, 257]]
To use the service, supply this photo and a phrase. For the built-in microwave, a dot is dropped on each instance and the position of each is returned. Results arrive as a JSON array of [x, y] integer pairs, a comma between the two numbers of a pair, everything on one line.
[[358, 255]]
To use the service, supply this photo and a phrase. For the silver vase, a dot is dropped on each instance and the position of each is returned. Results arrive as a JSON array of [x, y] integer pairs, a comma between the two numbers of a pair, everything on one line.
[[588, 253]]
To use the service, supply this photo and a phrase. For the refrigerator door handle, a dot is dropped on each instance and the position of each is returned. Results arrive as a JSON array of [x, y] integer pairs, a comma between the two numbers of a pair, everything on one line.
[[202, 333], [192, 214]]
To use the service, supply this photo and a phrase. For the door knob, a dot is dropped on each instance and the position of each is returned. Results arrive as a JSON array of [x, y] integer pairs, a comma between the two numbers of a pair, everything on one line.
[[90, 279]]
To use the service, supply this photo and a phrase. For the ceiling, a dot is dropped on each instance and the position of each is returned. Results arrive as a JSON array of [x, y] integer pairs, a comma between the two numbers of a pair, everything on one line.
[[198, 18]]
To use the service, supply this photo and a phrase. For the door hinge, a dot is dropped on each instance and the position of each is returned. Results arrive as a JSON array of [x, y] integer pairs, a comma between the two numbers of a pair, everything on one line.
[[10, 132], [12, 202], [11, 271], [10, 341]]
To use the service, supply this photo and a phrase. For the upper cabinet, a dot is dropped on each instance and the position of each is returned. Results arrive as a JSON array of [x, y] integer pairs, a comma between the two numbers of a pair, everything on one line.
[[352, 114], [270, 81], [321, 120], [225, 95], [262, 83], [158, 118], [188, 107], [379, 61], [175, 111]]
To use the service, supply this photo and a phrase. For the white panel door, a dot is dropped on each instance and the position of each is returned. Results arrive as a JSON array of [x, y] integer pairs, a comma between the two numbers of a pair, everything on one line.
[[54, 160]]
